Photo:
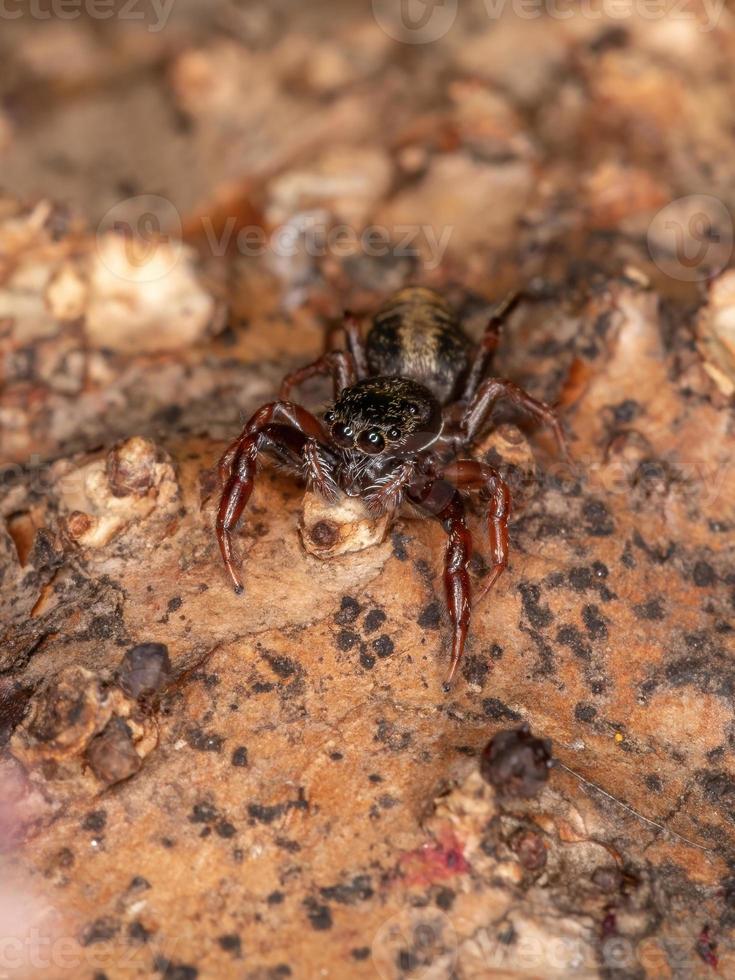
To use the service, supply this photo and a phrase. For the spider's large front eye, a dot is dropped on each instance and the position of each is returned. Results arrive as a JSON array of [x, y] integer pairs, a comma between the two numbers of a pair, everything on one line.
[[371, 441], [343, 435]]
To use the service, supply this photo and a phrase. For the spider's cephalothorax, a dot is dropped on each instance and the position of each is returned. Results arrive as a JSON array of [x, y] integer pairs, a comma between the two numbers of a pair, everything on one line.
[[409, 401]]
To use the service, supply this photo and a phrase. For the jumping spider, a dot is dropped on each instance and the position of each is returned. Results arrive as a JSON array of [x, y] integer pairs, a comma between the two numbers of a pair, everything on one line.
[[410, 399]]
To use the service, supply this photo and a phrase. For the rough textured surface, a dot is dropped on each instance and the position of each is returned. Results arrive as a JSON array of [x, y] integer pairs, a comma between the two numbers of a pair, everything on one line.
[[284, 790]]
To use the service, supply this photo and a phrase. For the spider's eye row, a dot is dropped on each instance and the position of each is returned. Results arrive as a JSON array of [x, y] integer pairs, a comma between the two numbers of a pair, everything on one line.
[[412, 409], [329, 417], [394, 433], [371, 441], [343, 434]]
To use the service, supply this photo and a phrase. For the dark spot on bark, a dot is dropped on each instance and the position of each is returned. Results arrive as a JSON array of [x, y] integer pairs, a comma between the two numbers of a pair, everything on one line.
[[349, 610], [445, 898], [138, 932], [275, 898], [265, 814], [571, 637], [100, 931], [336, 756], [281, 666], [319, 915], [374, 620], [358, 890], [430, 616], [704, 575], [346, 640], [497, 710], [718, 787], [390, 735], [594, 623], [230, 943], [204, 741], [174, 971], [203, 813], [139, 884], [366, 660], [174, 603], [240, 756], [626, 411], [406, 961], [111, 754], [475, 669], [95, 820], [598, 521], [383, 646], [652, 609], [653, 782], [360, 953], [585, 712], [375, 777], [225, 829], [399, 542], [538, 616]]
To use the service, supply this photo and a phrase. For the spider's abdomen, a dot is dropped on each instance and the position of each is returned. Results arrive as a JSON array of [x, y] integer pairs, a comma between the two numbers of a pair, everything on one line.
[[416, 335]]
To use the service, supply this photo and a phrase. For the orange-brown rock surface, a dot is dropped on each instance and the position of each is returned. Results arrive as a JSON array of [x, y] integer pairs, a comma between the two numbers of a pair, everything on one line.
[[199, 784]]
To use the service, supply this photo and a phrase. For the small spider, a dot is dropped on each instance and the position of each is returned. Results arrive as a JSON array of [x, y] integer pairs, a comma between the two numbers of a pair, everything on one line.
[[409, 400]]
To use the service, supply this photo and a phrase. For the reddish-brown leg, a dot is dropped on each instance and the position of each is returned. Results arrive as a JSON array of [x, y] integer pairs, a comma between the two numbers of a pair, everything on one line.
[[487, 396], [282, 425], [471, 475], [445, 503], [489, 343], [339, 364]]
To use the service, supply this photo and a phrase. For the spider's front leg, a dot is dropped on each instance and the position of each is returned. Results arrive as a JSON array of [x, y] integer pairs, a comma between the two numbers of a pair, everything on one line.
[[489, 343], [491, 392], [285, 428], [471, 475], [445, 502], [339, 364]]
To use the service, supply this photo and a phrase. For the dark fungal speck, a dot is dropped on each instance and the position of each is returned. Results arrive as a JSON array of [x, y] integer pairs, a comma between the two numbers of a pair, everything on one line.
[[475, 670], [225, 829], [594, 623], [275, 898], [174, 603], [138, 932], [346, 640], [445, 899], [652, 609], [703, 575], [399, 542], [204, 741], [383, 646], [598, 521], [585, 712], [497, 710], [539, 616], [653, 782], [175, 971], [240, 756], [430, 617], [374, 620], [366, 660], [349, 610], [318, 915], [95, 821], [230, 943], [360, 953], [100, 931]]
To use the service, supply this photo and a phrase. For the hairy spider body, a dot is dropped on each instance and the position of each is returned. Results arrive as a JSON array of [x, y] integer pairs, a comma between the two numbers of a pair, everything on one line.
[[408, 401], [416, 335]]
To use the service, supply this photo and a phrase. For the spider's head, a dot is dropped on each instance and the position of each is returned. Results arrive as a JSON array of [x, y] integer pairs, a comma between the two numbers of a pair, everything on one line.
[[385, 416]]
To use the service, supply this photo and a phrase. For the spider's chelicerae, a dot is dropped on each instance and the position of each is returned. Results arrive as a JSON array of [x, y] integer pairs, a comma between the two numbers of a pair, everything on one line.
[[410, 399]]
